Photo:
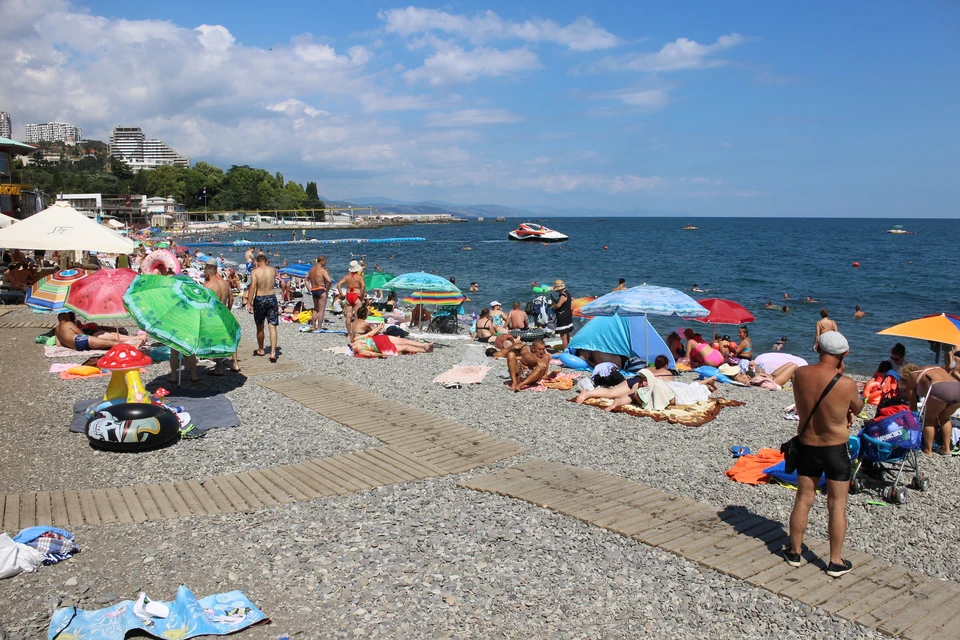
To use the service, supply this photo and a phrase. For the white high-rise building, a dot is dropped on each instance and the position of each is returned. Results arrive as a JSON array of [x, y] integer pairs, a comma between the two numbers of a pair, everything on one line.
[[139, 152], [53, 132], [6, 128]]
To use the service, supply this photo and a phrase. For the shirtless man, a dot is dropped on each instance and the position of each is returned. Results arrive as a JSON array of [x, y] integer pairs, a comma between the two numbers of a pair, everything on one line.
[[858, 313], [527, 365], [518, 318], [621, 285], [502, 345], [70, 335], [824, 324], [249, 258], [823, 447], [221, 289], [356, 289], [319, 281], [262, 302]]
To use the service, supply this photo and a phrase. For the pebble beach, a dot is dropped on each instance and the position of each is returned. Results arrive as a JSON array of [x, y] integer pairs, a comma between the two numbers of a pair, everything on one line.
[[428, 558]]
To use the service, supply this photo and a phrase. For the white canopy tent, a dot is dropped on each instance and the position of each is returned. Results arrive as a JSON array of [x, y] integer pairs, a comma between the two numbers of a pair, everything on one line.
[[6, 221], [60, 227]]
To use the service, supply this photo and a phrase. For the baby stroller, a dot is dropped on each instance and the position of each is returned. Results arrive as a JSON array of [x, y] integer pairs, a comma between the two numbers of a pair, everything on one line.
[[889, 446], [539, 309]]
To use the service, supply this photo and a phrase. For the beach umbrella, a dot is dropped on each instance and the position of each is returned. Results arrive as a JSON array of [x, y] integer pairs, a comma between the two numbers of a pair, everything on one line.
[[644, 300], [183, 315], [100, 296], [377, 280], [437, 298], [50, 293], [420, 281], [60, 227], [723, 312], [942, 327], [577, 303]]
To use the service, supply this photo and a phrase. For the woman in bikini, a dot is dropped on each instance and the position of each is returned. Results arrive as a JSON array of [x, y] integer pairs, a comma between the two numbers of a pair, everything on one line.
[[355, 290], [699, 352], [942, 398], [486, 330], [382, 346]]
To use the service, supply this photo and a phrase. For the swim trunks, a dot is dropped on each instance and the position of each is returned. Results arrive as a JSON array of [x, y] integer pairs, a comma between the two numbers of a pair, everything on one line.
[[81, 342], [353, 298], [833, 460], [265, 309], [317, 293]]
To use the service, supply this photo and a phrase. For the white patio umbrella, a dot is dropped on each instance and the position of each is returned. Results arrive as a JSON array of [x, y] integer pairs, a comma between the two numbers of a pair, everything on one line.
[[6, 221], [60, 227]]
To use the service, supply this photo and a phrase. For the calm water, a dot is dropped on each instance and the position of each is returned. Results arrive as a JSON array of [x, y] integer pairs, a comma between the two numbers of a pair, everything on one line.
[[750, 261]]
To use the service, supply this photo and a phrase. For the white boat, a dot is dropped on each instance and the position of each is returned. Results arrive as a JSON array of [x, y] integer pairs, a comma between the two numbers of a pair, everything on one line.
[[898, 230], [530, 232]]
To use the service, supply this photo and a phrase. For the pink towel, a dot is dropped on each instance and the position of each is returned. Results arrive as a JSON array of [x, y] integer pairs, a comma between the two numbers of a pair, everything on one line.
[[463, 375]]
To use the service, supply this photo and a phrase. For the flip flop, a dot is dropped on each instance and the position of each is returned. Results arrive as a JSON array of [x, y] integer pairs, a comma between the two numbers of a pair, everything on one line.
[[739, 451], [273, 359], [259, 355]]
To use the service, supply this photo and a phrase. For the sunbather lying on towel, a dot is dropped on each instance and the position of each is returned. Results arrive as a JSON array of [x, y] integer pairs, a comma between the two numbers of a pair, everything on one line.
[[755, 377], [381, 346], [70, 335], [650, 392]]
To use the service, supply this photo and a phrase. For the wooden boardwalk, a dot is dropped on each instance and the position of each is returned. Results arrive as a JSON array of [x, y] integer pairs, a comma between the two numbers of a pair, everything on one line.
[[251, 365], [734, 541], [418, 446]]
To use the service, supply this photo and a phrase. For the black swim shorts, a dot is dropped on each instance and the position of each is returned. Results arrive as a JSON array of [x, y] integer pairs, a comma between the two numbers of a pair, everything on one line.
[[833, 460], [265, 309]]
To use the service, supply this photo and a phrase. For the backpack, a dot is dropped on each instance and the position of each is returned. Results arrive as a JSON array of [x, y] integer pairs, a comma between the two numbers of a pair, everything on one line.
[[540, 310]]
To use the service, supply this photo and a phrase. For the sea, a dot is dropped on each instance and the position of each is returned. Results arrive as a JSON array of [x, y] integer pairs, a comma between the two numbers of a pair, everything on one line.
[[751, 261]]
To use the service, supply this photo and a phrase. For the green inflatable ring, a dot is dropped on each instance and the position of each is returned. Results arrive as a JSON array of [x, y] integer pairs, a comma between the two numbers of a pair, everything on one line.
[[542, 289]]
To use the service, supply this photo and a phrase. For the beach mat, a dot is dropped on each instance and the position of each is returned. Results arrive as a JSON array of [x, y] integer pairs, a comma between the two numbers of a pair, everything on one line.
[[215, 412], [463, 375], [216, 615], [693, 415], [66, 352]]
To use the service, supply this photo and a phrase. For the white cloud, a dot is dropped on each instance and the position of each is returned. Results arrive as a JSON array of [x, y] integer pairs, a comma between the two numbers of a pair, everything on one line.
[[471, 117], [561, 183], [453, 65], [682, 53], [580, 35]]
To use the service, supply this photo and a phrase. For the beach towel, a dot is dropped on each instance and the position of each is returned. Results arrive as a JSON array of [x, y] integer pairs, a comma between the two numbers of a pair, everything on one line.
[[216, 615], [206, 413], [553, 380], [751, 468], [463, 375], [58, 367], [66, 352], [695, 415]]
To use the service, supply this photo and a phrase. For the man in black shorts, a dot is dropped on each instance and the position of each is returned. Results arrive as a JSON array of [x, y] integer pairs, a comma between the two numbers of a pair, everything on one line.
[[823, 448], [262, 302]]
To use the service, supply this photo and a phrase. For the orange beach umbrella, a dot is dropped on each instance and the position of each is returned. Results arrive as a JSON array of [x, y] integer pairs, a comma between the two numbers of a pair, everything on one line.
[[943, 327]]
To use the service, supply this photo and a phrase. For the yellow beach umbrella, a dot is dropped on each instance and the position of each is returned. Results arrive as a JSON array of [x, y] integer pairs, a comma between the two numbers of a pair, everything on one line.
[[942, 327]]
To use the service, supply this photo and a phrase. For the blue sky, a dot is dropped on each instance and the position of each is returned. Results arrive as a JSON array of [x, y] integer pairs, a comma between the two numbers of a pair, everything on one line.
[[797, 109]]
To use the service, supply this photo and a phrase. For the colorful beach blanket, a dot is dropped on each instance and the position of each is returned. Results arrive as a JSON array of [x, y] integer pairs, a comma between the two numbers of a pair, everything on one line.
[[693, 415], [216, 615]]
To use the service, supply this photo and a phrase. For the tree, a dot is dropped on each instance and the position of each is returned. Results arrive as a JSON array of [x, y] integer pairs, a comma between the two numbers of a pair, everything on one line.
[[120, 168], [313, 198]]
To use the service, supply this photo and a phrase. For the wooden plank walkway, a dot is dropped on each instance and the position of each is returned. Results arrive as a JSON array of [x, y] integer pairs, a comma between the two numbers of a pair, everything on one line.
[[251, 365], [734, 541], [444, 443]]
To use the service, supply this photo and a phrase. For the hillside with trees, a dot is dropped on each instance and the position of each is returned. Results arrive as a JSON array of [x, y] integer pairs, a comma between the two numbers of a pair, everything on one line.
[[200, 186]]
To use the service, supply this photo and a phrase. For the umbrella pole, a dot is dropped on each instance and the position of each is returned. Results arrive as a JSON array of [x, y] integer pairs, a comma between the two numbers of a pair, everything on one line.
[[646, 339]]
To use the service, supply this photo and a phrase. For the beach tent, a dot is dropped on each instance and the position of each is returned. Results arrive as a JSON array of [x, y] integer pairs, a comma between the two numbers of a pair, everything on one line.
[[6, 221], [622, 336], [60, 227]]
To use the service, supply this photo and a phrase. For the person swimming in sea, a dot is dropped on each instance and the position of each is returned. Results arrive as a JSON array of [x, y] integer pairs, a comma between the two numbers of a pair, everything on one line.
[[697, 289], [770, 305], [778, 345]]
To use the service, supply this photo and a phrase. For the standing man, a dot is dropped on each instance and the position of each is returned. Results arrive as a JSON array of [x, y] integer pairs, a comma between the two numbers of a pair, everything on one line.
[[220, 288], [824, 324], [564, 312], [319, 281], [827, 402], [249, 257], [263, 303], [354, 294]]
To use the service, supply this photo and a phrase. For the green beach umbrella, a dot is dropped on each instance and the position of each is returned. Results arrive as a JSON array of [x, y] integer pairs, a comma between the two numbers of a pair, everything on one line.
[[376, 279], [183, 315]]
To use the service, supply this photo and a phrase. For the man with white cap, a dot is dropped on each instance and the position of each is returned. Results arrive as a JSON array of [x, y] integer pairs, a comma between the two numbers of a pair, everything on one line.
[[827, 402], [353, 296]]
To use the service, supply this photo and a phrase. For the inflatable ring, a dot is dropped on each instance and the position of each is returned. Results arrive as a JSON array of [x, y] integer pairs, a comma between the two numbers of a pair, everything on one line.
[[161, 258], [133, 426], [572, 362], [542, 289], [529, 335]]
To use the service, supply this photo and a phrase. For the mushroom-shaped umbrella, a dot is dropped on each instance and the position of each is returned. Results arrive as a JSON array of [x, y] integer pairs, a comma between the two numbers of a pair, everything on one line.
[[124, 362]]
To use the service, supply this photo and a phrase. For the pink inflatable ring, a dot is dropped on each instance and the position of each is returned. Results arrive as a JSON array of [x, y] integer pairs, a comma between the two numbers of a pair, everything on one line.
[[162, 261]]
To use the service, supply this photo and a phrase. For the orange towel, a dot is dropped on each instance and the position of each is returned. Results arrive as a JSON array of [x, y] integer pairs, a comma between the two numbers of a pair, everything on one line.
[[749, 469]]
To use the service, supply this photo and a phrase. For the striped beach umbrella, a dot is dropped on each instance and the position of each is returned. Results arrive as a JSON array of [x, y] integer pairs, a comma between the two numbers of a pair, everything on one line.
[[50, 293], [435, 297], [421, 281]]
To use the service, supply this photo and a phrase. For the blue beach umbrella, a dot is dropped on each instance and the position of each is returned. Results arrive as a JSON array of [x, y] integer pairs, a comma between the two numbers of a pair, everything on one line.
[[420, 281], [643, 300]]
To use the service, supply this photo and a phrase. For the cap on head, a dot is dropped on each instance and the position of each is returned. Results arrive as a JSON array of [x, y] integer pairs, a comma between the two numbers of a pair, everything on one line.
[[494, 304], [833, 343]]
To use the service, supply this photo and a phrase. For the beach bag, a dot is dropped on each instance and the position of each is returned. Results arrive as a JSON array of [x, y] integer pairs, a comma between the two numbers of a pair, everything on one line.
[[540, 310], [608, 381], [395, 331], [791, 448], [445, 324]]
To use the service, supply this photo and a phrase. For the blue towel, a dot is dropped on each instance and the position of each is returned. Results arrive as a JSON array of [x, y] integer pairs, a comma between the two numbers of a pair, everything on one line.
[[216, 615]]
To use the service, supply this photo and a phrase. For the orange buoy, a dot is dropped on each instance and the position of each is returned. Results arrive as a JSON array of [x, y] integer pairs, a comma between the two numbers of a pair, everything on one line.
[[856, 264]]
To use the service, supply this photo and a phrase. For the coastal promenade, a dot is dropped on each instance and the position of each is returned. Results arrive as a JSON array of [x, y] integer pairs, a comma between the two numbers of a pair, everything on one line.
[[359, 499]]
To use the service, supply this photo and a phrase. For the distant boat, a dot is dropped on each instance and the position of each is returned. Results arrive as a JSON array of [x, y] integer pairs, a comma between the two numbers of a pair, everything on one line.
[[500, 219], [690, 227], [479, 219], [529, 231], [898, 230], [600, 220]]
